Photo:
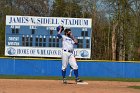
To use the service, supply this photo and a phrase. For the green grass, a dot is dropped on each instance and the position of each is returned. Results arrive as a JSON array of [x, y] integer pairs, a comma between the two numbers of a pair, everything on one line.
[[29, 77], [134, 87], [59, 78]]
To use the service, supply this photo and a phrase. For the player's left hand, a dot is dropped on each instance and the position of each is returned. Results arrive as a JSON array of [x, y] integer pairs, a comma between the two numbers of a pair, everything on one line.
[[71, 35], [60, 28]]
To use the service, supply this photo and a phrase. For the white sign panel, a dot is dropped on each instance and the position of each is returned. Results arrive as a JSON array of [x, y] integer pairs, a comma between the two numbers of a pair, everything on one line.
[[48, 21], [37, 36], [43, 52]]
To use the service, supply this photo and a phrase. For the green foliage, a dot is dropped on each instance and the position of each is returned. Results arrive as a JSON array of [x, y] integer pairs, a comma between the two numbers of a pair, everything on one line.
[[125, 12], [58, 8], [61, 8]]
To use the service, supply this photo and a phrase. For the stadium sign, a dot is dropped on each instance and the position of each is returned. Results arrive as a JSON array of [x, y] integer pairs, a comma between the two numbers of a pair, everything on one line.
[[37, 36]]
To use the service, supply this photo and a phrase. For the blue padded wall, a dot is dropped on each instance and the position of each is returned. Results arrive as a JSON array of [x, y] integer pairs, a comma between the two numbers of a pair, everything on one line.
[[53, 68]]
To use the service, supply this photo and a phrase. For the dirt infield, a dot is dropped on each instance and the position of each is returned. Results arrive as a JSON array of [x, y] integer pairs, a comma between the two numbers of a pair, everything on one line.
[[56, 86]]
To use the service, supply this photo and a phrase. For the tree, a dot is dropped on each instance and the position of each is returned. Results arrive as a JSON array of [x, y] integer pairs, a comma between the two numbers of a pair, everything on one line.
[[66, 8], [57, 9], [72, 9], [124, 13], [33, 7]]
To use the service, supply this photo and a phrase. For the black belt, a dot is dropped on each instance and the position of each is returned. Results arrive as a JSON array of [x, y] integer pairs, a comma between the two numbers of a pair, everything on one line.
[[68, 51]]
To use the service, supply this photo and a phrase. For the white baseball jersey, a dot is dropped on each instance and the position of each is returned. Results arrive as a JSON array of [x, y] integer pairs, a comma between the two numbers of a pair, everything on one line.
[[67, 43]]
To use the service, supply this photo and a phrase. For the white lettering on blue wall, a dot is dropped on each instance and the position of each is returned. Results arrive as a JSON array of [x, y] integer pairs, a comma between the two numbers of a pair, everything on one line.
[[13, 38], [13, 43], [33, 27]]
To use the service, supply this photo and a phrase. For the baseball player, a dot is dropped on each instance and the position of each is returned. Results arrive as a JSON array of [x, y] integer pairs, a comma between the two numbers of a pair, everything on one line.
[[68, 42]]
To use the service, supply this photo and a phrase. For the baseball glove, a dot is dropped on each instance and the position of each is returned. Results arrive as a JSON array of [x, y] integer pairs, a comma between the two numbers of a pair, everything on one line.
[[58, 28]]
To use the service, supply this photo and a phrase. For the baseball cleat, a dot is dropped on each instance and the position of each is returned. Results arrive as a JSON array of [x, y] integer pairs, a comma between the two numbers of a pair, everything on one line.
[[64, 81], [78, 80]]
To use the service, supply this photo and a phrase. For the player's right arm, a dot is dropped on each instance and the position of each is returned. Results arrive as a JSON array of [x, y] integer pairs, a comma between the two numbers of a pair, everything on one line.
[[74, 39]]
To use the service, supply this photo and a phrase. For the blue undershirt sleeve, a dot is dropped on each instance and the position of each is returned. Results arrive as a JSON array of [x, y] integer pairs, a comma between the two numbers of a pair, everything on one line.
[[59, 36]]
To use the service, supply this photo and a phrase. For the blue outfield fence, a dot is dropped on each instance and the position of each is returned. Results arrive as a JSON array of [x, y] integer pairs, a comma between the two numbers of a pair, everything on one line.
[[53, 68]]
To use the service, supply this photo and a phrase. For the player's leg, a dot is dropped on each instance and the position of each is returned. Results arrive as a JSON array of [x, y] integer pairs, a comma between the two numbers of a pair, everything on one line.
[[74, 65], [71, 69], [64, 66]]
